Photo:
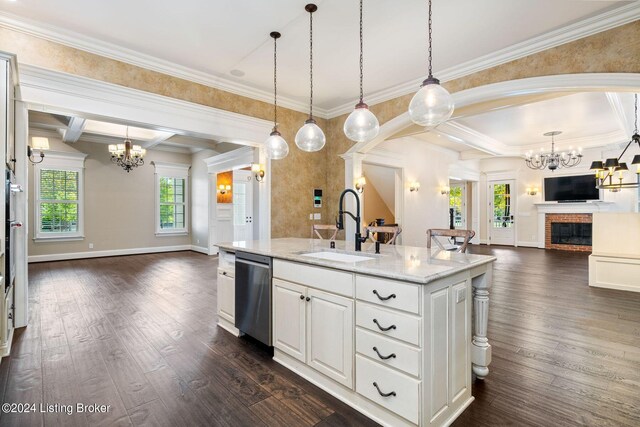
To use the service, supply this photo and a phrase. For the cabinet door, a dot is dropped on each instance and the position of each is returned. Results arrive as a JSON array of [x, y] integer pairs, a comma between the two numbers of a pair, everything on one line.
[[289, 318], [330, 335], [226, 296]]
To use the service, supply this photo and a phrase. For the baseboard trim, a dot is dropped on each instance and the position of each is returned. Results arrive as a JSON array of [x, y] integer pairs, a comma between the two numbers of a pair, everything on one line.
[[528, 244], [200, 249], [101, 254]]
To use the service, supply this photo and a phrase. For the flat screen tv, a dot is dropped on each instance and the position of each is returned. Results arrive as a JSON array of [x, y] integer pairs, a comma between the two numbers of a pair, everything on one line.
[[570, 188]]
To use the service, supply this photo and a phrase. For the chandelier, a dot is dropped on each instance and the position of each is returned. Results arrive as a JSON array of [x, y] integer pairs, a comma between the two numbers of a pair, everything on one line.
[[606, 170], [127, 155], [554, 159]]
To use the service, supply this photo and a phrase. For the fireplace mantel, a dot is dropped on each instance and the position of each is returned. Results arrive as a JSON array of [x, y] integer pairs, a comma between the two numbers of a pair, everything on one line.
[[559, 208]]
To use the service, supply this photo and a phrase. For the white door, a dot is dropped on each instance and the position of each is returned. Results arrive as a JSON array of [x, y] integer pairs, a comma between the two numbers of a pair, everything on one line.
[[289, 303], [242, 205], [226, 296], [330, 335], [501, 212]]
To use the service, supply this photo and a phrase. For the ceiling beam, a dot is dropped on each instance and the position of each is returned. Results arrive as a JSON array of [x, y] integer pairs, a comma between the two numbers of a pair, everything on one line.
[[74, 129], [158, 140]]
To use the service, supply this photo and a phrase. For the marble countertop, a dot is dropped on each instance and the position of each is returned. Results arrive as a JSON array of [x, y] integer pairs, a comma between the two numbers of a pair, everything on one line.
[[406, 263]]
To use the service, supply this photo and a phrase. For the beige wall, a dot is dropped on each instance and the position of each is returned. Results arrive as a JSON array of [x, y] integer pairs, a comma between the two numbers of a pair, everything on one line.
[[295, 177], [374, 206], [119, 206]]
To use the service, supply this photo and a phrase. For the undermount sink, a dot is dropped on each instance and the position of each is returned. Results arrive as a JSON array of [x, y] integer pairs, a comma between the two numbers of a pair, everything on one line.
[[337, 256]]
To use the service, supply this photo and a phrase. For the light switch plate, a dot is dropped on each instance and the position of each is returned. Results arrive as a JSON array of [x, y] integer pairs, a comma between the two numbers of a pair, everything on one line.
[[317, 216]]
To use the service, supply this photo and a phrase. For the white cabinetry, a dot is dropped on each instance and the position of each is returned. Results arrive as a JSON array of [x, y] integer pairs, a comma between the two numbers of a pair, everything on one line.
[[397, 351], [226, 295], [314, 327]]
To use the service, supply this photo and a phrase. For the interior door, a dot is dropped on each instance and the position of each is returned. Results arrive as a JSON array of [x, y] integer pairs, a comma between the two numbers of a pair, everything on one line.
[[242, 205], [502, 211]]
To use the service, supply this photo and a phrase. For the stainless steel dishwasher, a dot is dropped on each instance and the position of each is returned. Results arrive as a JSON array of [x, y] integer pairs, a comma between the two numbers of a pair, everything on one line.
[[253, 296]]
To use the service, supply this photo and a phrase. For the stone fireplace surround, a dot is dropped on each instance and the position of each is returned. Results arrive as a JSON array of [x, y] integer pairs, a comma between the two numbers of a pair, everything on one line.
[[579, 212]]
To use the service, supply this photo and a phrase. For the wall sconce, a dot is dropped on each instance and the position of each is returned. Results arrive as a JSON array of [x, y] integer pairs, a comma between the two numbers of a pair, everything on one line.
[[532, 191], [360, 183], [39, 143], [258, 171], [224, 189], [445, 190], [414, 186]]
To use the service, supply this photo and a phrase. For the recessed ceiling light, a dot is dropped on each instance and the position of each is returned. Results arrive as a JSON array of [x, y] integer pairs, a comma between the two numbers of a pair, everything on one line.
[[237, 73]]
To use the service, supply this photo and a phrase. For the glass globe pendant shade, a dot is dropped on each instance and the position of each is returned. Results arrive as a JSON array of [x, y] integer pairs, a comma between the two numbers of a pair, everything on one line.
[[361, 125], [310, 137], [276, 147], [431, 105]]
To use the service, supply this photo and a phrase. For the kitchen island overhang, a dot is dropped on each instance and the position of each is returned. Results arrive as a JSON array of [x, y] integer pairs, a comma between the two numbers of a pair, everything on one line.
[[399, 336]]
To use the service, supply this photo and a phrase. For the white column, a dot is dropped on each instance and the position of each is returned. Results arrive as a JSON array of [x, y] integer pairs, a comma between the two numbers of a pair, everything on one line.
[[480, 347]]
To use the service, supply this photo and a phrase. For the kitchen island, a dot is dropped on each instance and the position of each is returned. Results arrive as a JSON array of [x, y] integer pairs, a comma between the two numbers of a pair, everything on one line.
[[399, 335]]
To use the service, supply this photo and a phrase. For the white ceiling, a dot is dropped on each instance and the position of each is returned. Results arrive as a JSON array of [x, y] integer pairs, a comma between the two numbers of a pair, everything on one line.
[[73, 129], [205, 40], [587, 120]]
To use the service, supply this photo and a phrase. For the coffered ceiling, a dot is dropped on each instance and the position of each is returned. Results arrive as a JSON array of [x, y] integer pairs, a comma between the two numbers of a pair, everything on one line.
[[586, 120], [226, 43]]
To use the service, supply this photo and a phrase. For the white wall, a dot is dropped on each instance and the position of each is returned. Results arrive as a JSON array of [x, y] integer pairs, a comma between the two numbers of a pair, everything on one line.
[[429, 165], [200, 200]]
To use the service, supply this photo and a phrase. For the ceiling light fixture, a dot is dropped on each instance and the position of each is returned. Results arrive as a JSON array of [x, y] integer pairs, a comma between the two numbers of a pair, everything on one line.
[[276, 147], [127, 155], [432, 104], [553, 160], [605, 171], [361, 125], [310, 137]]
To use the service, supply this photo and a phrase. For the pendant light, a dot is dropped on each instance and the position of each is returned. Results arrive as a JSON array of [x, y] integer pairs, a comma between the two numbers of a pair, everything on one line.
[[361, 125], [432, 104], [276, 147], [310, 137]]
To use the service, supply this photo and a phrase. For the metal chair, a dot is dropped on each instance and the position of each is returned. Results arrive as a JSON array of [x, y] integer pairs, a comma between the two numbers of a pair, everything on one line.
[[393, 230], [316, 228], [432, 233]]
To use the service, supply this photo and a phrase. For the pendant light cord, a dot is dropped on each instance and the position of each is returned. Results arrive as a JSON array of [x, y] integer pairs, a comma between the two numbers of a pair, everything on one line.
[[635, 123], [311, 65], [361, 56], [275, 83], [430, 41]]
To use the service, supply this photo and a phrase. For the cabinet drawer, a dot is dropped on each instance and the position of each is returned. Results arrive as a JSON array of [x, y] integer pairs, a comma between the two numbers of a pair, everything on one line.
[[405, 398], [388, 352], [337, 282], [227, 261], [394, 324], [388, 293]]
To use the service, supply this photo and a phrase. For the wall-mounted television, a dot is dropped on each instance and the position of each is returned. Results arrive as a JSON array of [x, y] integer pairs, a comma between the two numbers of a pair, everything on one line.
[[570, 188]]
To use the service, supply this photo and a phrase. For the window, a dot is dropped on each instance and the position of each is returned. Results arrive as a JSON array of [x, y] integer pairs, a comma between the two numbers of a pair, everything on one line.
[[457, 205], [58, 197], [172, 198]]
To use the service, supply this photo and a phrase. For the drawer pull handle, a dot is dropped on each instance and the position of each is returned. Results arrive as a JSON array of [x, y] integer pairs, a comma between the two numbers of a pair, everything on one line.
[[393, 393], [383, 298], [381, 328], [392, 355]]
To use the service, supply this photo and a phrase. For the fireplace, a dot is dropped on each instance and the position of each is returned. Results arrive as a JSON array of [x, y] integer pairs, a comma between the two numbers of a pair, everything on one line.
[[568, 231], [571, 233]]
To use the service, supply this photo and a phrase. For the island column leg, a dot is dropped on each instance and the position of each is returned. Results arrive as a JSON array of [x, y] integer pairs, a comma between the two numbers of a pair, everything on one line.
[[480, 347]]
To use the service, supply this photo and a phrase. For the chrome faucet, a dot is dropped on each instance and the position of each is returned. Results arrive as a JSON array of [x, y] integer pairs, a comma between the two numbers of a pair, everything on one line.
[[356, 218]]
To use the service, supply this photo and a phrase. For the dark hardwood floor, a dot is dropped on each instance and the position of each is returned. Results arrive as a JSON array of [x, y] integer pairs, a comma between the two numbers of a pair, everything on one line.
[[138, 333]]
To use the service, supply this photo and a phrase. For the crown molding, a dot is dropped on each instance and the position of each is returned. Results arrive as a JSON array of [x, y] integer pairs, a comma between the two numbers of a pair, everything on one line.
[[602, 22], [587, 27], [129, 56]]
